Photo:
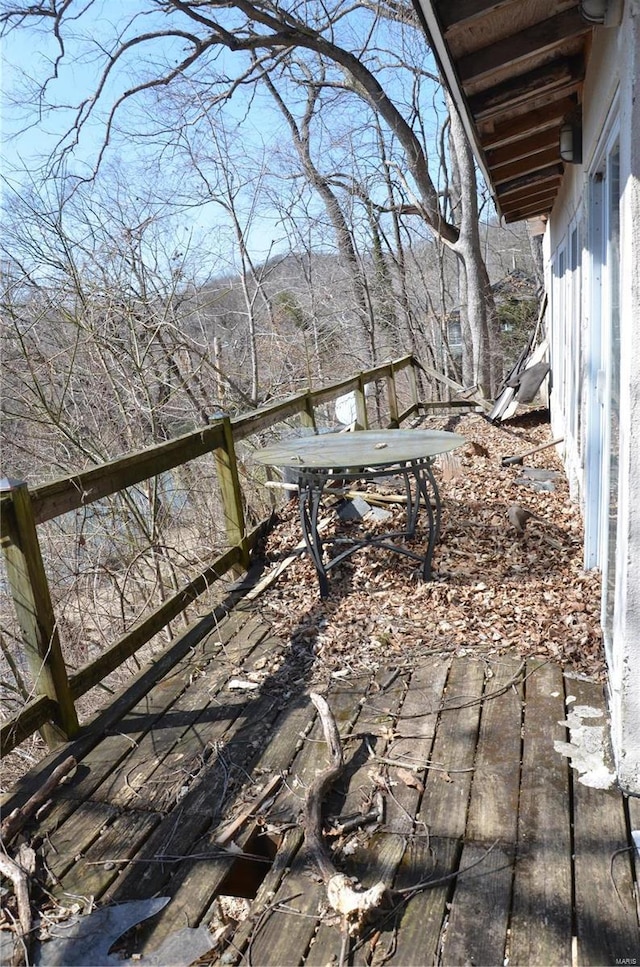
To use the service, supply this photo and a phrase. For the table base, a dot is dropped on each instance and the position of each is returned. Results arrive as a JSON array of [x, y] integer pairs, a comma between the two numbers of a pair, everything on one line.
[[312, 484]]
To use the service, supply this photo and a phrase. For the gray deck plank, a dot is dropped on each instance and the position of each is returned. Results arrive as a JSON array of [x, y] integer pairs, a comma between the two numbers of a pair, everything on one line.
[[541, 922], [483, 896], [606, 919], [443, 813]]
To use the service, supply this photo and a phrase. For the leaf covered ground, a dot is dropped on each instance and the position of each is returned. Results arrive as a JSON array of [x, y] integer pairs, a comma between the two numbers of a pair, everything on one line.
[[494, 591]]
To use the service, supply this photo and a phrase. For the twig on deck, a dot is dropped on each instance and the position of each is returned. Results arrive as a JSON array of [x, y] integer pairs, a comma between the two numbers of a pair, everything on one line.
[[19, 874], [16, 819], [226, 832]]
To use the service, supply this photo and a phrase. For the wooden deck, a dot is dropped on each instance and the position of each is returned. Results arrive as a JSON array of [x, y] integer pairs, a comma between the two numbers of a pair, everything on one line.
[[457, 757]]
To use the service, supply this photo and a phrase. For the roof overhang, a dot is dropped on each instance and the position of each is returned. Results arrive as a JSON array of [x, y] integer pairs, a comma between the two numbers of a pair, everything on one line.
[[515, 69]]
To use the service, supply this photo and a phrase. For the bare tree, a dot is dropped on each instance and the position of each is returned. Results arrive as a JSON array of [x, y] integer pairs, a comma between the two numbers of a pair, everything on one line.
[[103, 353], [265, 38]]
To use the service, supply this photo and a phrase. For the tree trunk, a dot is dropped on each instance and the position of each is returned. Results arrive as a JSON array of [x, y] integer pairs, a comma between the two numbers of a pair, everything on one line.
[[480, 309]]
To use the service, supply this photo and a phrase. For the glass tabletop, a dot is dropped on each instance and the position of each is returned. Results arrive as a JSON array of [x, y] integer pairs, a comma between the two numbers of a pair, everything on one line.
[[361, 448]]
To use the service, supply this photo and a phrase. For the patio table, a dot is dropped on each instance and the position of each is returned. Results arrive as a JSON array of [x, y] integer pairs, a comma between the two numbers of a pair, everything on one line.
[[365, 455]]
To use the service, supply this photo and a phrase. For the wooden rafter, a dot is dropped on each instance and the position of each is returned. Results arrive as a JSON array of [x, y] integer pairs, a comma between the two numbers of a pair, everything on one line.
[[525, 166], [527, 123], [530, 193], [557, 79], [542, 176], [532, 145], [532, 42]]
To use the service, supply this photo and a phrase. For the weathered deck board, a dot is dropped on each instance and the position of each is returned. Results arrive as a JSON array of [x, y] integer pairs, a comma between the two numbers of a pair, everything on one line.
[[604, 890], [483, 896], [441, 818], [143, 814], [543, 872]]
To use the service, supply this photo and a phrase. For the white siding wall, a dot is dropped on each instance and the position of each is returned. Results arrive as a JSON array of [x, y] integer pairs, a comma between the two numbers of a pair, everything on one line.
[[600, 423]]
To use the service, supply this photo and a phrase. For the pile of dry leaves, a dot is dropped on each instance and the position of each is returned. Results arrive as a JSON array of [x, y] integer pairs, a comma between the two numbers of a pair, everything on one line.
[[495, 591]]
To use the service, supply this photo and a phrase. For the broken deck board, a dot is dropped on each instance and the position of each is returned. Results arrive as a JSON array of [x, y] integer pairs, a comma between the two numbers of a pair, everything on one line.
[[489, 821]]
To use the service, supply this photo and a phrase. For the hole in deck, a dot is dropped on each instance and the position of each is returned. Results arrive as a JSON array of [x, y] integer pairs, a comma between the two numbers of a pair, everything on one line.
[[249, 870]]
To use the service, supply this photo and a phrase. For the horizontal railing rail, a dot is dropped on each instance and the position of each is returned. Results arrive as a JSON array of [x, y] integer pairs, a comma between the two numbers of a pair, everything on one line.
[[52, 710]]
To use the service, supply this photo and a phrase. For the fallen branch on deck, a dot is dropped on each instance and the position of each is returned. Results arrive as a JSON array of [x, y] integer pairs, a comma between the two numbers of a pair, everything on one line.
[[19, 873], [21, 869], [16, 819], [354, 905]]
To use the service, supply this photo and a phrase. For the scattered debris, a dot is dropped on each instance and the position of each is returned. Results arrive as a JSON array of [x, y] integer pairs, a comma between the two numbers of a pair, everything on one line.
[[518, 517], [354, 509], [588, 748], [14, 822], [538, 479]]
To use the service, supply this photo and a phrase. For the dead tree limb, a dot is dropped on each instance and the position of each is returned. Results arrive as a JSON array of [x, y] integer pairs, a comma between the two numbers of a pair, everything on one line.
[[352, 904], [19, 874], [16, 819]]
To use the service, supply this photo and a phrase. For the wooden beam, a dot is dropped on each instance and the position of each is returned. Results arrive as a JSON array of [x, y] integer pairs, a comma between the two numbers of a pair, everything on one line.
[[361, 405], [536, 40], [392, 399], [455, 15], [549, 174], [308, 415], [231, 493], [526, 165], [70, 493], [522, 149], [96, 670], [521, 214], [530, 209], [531, 194], [35, 715], [535, 88], [527, 124], [477, 399]]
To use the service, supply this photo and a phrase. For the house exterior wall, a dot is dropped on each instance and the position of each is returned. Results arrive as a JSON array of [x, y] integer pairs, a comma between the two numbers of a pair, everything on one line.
[[592, 256]]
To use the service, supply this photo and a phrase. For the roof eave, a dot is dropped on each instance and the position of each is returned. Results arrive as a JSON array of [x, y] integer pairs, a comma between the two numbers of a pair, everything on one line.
[[440, 51]]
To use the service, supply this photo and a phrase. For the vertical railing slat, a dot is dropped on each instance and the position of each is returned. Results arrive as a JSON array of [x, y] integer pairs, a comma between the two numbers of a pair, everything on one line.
[[392, 398]]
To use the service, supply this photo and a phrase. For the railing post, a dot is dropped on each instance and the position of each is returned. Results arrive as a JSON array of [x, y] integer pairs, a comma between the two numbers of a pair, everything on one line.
[[308, 415], [392, 397], [361, 404], [231, 492], [34, 610], [413, 383]]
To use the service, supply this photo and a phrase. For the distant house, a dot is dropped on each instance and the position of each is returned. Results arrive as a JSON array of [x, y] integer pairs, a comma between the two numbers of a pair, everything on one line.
[[549, 91]]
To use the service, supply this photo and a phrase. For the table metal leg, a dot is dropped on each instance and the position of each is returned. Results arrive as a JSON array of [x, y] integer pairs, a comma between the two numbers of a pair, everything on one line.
[[311, 489], [425, 482]]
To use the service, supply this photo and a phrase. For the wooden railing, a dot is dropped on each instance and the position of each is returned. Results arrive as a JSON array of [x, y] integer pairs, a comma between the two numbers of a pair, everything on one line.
[[53, 709]]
